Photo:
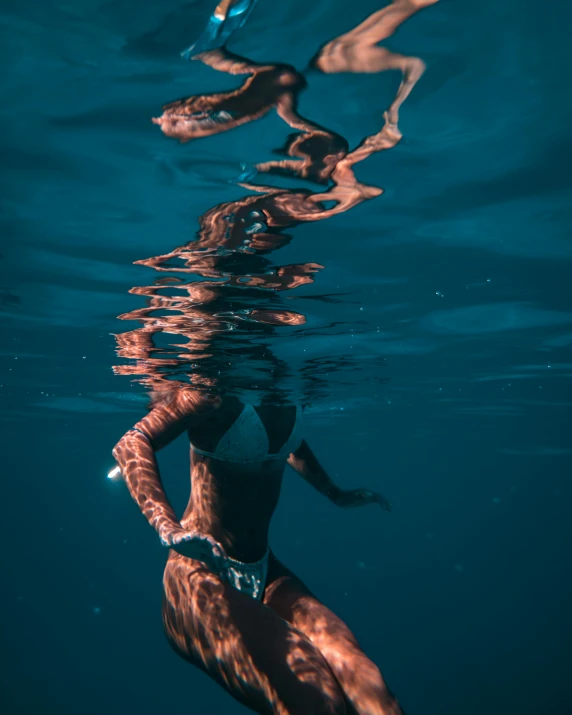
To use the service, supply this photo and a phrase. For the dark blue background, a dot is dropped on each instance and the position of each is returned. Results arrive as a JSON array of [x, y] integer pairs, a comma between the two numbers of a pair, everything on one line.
[[462, 594]]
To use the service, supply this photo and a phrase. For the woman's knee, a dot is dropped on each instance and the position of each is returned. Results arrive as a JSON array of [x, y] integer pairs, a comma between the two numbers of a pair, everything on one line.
[[317, 692], [312, 687]]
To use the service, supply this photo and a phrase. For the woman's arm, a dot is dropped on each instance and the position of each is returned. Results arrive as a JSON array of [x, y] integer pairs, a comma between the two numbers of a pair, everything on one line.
[[135, 456], [306, 464], [136, 460]]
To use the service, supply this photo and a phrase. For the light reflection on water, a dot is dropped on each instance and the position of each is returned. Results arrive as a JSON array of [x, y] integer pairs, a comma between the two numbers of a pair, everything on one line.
[[437, 262], [229, 313], [443, 258]]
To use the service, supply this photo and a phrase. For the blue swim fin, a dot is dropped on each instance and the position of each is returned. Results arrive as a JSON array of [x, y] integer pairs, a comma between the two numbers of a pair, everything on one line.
[[226, 19]]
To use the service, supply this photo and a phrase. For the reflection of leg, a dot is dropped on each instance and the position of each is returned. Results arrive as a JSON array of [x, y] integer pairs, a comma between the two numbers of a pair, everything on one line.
[[382, 24], [357, 50], [358, 676], [254, 654]]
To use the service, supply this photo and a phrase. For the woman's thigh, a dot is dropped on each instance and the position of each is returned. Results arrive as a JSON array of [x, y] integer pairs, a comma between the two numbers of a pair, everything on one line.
[[359, 678], [245, 646]]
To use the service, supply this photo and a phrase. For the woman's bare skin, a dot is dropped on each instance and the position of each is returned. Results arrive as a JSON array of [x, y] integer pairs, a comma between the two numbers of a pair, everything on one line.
[[288, 653]]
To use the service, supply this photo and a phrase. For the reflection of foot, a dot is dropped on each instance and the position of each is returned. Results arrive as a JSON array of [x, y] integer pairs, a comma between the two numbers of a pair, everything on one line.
[[229, 16]]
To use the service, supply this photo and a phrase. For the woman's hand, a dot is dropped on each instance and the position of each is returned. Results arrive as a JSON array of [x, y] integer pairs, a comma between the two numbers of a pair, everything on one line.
[[360, 497], [193, 545]]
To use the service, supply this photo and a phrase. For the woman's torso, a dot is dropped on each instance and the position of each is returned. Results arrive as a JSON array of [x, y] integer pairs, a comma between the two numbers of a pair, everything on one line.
[[236, 485]]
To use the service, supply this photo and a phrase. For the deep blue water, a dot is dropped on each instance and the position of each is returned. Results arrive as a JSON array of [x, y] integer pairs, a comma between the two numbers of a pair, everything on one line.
[[447, 313]]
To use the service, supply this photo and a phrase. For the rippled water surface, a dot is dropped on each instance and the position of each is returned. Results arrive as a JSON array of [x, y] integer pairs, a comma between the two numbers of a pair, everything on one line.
[[427, 328]]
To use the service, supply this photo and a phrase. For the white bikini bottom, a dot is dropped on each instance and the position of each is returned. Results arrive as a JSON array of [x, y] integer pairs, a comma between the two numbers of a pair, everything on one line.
[[250, 578]]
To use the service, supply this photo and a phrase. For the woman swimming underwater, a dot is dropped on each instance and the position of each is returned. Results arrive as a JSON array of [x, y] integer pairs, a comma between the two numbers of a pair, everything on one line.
[[230, 607]]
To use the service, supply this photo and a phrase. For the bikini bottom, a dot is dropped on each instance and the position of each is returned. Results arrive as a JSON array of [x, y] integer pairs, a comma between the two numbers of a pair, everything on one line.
[[250, 578]]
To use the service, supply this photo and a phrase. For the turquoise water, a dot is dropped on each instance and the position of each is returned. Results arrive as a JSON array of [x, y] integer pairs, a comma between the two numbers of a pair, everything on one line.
[[434, 355]]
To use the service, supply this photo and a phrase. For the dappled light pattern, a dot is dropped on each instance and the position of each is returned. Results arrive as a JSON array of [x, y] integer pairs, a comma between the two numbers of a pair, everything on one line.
[[248, 648], [204, 334]]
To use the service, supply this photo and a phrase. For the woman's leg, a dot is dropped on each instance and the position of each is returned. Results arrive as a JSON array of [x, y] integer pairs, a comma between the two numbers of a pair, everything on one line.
[[245, 646], [357, 675]]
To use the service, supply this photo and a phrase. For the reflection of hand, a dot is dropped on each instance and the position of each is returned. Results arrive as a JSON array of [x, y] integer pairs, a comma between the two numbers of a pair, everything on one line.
[[360, 497], [193, 545]]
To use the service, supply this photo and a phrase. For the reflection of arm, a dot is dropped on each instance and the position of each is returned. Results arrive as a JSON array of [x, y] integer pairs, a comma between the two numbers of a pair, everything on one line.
[[347, 191], [309, 164], [306, 464], [135, 456]]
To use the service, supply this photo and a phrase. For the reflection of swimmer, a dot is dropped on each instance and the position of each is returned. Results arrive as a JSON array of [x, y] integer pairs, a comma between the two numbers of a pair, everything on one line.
[[230, 606], [314, 152], [234, 237]]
